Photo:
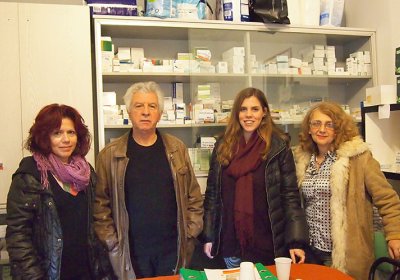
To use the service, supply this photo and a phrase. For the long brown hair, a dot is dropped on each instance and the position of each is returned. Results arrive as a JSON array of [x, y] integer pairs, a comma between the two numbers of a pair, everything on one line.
[[345, 127], [234, 131]]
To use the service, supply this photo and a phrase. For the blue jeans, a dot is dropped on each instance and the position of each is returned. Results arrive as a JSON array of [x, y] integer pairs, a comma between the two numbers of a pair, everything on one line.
[[232, 262]]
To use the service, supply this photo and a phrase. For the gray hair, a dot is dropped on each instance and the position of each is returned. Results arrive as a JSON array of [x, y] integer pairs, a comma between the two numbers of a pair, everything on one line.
[[144, 87]]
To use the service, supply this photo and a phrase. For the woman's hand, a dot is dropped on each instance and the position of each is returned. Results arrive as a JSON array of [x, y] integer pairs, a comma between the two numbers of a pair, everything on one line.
[[394, 248], [207, 250], [297, 253]]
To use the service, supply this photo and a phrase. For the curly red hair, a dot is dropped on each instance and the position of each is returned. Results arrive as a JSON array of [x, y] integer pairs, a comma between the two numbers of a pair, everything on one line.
[[48, 120]]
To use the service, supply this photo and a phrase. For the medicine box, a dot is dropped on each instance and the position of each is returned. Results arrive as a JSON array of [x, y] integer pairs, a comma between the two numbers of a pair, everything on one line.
[[235, 59], [295, 62], [397, 72], [124, 54], [110, 98], [233, 51], [177, 91], [222, 67], [282, 58], [106, 44], [383, 94], [398, 87], [207, 142], [203, 54], [113, 7]]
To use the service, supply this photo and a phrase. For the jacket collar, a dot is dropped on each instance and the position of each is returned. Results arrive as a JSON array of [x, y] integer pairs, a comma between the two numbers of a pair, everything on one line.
[[348, 149], [121, 144], [29, 172], [277, 144], [352, 148], [170, 146]]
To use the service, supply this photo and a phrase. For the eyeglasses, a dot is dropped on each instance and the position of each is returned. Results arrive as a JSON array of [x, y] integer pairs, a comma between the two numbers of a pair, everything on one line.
[[318, 124]]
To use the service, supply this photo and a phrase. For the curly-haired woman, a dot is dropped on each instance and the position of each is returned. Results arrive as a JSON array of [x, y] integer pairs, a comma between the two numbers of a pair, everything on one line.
[[340, 181], [50, 232]]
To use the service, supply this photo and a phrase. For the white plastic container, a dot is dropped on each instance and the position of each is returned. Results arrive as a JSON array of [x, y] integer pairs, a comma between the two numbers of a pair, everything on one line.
[[331, 12], [236, 10], [304, 12]]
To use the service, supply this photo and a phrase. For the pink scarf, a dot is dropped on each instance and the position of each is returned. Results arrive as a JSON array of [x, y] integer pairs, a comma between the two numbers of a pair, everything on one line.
[[76, 172], [245, 162]]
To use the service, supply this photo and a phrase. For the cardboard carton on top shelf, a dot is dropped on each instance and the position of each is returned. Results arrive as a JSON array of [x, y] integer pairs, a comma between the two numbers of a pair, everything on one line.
[[382, 94]]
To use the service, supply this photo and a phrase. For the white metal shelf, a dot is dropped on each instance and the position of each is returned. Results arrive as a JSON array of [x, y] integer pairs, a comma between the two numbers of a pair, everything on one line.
[[163, 38], [130, 77], [126, 126], [121, 27]]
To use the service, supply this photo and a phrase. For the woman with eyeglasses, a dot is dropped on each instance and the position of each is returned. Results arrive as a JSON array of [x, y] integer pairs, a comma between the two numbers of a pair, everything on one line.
[[340, 182], [252, 209], [50, 232]]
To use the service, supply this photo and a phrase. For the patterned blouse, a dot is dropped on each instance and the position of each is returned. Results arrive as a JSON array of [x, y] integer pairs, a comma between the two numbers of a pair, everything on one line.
[[317, 194]]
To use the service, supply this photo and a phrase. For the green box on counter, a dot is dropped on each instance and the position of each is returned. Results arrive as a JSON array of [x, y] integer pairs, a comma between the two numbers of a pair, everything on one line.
[[398, 89], [397, 70]]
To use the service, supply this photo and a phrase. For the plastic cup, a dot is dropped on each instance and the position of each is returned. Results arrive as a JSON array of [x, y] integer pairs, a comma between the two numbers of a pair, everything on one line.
[[283, 268], [246, 271]]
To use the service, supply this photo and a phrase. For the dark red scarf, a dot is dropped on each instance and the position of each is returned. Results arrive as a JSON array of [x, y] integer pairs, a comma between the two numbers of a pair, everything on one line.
[[241, 168]]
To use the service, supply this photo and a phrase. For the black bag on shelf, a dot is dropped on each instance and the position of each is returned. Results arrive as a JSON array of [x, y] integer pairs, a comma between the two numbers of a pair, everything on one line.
[[269, 11]]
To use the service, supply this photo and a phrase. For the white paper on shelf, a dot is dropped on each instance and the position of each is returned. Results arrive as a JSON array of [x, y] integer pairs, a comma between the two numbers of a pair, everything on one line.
[[227, 274], [384, 111]]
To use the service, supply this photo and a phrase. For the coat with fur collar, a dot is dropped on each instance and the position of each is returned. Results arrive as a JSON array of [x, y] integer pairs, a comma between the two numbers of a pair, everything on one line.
[[357, 184]]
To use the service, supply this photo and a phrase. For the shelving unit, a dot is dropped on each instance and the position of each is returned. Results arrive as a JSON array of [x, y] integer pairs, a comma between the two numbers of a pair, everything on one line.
[[164, 38], [383, 137]]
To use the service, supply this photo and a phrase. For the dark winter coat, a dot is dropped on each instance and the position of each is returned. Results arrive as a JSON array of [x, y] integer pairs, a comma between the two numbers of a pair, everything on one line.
[[34, 236], [288, 224]]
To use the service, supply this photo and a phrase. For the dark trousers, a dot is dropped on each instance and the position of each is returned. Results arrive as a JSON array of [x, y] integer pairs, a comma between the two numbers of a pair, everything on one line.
[[83, 276], [159, 264], [313, 255]]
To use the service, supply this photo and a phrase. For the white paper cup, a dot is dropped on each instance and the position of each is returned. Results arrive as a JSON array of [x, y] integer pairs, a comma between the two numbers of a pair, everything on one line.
[[246, 271], [283, 268]]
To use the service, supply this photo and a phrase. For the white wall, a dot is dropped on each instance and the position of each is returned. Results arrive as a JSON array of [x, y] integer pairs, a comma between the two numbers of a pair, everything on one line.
[[46, 59], [382, 16]]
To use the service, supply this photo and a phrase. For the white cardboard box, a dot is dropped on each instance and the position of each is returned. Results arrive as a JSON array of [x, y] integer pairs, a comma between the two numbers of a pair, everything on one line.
[[382, 94], [222, 67], [207, 142], [234, 51], [109, 98]]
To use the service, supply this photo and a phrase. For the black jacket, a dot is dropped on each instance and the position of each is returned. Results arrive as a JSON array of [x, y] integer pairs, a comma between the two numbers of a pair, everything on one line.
[[288, 224], [34, 236]]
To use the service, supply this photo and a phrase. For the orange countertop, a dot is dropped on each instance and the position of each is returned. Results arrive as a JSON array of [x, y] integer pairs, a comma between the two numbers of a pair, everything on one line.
[[297, 272], [313, 272]]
